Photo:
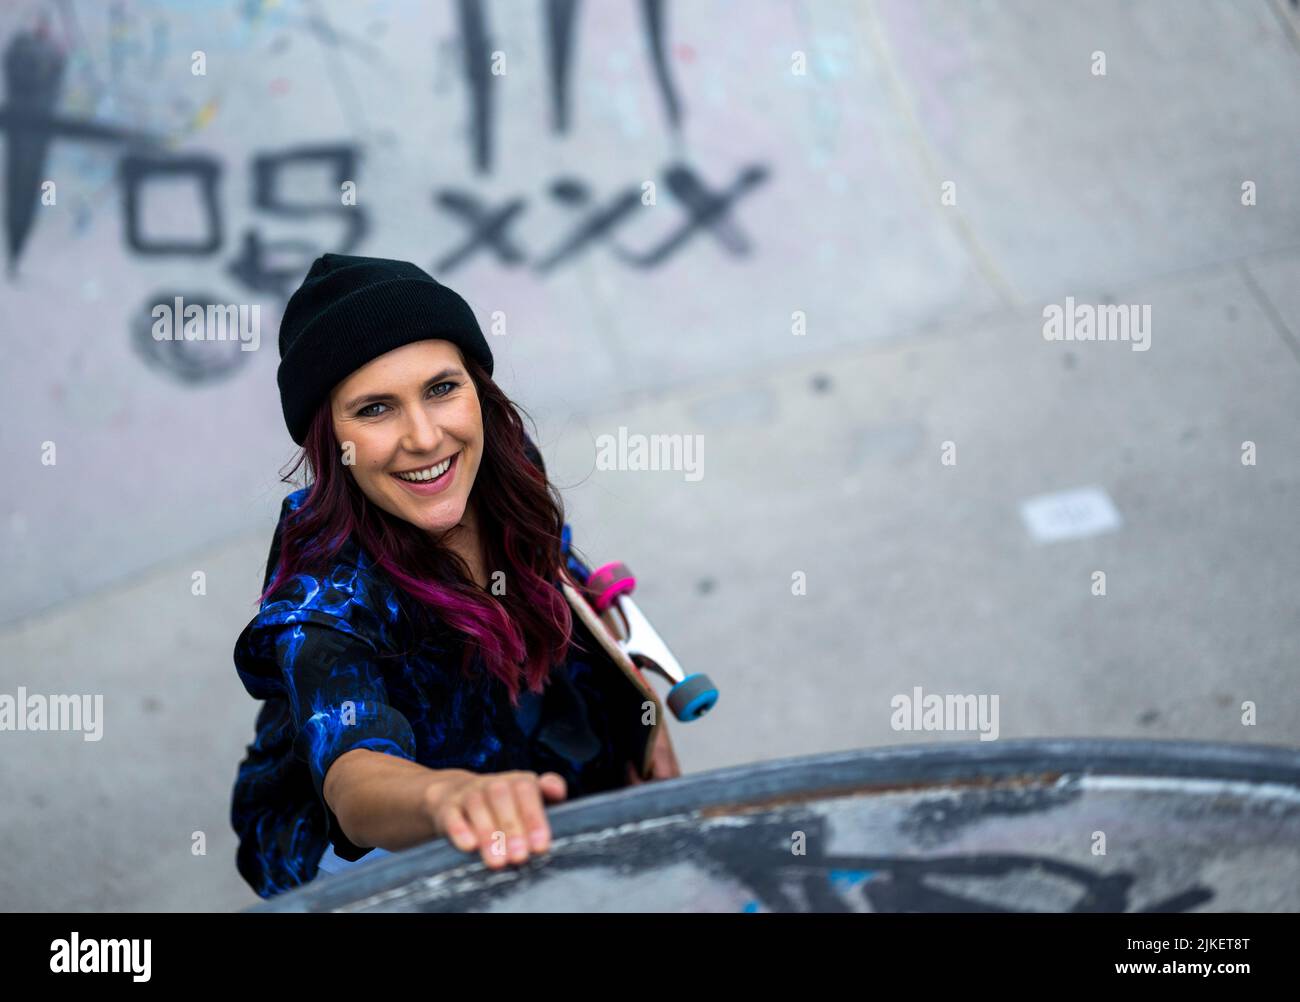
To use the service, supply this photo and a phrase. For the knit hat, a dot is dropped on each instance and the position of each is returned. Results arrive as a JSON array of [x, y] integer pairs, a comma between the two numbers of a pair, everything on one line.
[[350, 310]]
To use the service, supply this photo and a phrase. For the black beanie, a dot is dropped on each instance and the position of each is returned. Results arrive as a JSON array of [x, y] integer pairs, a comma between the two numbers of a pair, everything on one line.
[[350, 310]]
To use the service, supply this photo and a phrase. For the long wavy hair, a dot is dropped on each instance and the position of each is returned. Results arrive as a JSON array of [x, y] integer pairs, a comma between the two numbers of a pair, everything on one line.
[[519, 636]]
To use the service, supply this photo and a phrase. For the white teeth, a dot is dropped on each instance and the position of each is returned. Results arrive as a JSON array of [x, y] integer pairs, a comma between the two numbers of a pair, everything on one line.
[[432, 473]]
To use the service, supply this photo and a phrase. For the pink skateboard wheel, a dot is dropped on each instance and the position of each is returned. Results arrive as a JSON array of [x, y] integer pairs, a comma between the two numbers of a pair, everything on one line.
[[606, 583]]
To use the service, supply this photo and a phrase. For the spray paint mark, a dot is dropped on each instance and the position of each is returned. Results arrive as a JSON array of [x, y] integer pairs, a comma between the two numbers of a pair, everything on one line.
[[560, 28], [33, 76]]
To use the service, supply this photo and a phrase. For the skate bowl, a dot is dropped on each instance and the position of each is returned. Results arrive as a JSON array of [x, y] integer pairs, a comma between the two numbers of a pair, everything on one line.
[[1024, 826]]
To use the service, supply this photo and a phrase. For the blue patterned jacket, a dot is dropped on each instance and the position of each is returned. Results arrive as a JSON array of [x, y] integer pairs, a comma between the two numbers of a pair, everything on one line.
[[338, 666]]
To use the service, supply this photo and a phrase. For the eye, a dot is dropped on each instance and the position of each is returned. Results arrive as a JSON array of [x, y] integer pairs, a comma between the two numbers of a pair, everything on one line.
[[363, 411]]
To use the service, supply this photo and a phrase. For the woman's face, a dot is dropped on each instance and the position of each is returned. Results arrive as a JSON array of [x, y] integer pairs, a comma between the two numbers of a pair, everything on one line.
[[408, 411]]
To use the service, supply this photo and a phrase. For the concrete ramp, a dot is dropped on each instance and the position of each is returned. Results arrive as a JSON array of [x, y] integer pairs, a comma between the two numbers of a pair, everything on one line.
[[1032, 826]]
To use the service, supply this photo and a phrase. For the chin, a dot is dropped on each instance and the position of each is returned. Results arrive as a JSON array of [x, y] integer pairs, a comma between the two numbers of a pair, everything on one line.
[[437, 521]]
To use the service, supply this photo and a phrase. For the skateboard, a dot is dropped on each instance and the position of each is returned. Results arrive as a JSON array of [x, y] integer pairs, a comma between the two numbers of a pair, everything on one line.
[[602, 599]]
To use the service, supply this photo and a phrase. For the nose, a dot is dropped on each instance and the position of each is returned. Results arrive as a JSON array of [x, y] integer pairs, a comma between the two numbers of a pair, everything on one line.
[[420, 433]]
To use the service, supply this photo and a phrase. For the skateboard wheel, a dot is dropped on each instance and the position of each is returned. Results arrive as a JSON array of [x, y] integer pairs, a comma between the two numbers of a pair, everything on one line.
[[605, 584], [692, 697]]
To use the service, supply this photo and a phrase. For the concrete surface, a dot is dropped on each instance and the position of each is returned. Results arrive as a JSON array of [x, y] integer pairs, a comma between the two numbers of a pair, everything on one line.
[[1030, 826], [823, 452]]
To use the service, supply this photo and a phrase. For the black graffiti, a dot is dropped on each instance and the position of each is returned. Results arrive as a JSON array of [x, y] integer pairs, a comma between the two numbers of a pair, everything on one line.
[[192, 362], [33, 73], [705, 210], [756, 857], [270, 266], [33, 67], [262, 265], [478, 74], [560, 17], [708, 211], [33, 77], [600, 222], [899, 884], [136, 171], [252, 267]]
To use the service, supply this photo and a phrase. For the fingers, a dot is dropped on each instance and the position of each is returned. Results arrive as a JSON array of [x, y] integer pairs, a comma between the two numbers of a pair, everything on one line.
[[451, 820], [553, 786], [502, 815], [479, 812], [531, 815], [501, 794]]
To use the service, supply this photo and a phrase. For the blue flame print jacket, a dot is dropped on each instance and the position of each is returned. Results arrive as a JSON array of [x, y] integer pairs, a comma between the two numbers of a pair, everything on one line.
[[339, 666]]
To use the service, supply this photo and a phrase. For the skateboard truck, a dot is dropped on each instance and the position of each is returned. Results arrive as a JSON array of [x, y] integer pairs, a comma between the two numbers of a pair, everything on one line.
[[609, 589]]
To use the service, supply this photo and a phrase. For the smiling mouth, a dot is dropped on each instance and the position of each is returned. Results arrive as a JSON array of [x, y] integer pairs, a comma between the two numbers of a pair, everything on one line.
[[427, 474]]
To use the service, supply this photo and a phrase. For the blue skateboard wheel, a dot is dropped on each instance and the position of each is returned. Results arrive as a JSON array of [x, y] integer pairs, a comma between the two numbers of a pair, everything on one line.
[[692, 697]]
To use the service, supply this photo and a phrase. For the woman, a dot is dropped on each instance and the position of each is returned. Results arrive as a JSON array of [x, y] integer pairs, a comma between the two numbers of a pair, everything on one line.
[[422, 673]]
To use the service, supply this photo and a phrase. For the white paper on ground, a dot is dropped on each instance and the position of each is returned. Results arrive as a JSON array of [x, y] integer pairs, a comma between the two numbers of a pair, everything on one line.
[[1072, 514]]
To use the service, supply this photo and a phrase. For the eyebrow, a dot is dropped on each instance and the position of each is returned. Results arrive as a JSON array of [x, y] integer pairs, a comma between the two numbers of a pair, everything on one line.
[[371, 398]]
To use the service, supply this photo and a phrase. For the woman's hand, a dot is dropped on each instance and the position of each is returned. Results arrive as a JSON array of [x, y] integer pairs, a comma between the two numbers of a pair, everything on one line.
[[663, 761], [498, 813]]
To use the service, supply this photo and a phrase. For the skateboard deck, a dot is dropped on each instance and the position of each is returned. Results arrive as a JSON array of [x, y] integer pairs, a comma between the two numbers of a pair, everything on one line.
[[603, 628]]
